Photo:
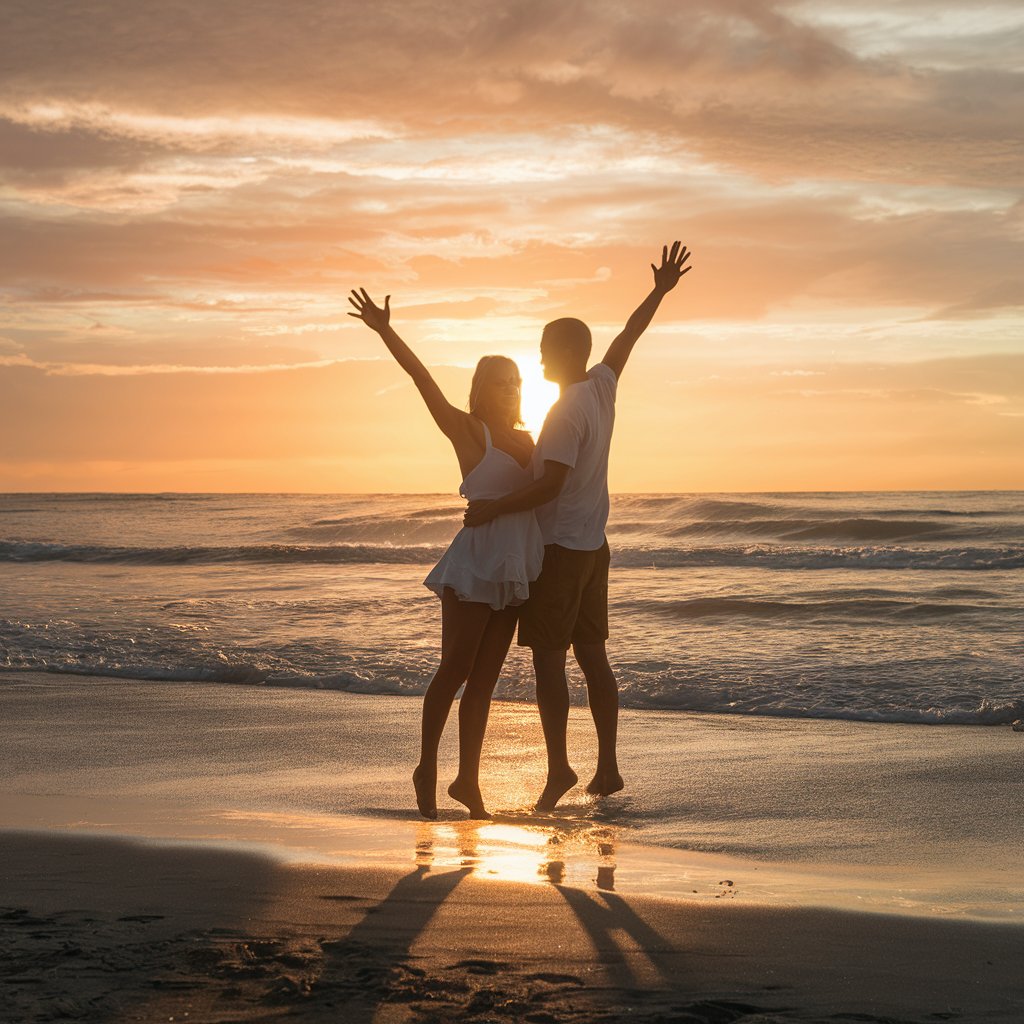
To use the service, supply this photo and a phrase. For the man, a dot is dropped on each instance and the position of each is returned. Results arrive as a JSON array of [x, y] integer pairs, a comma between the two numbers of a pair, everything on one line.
[[569, 601]]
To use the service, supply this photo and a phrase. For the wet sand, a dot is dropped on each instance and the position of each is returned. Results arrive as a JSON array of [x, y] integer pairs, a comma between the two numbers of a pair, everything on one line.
[[109, 929]]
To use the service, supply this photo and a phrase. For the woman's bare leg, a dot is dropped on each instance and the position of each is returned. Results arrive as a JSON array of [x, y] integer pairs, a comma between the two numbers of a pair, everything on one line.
[[475, 705], [463, 624]]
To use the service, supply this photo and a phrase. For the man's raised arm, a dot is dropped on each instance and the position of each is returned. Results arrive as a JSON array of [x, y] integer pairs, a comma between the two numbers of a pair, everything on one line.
[[666, 277]]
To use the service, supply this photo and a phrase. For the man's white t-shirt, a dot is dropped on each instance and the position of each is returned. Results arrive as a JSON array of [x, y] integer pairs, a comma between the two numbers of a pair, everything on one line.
[[578, 433]]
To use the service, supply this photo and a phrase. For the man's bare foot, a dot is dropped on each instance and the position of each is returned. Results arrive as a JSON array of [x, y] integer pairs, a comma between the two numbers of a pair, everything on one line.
[[469, 794], [604, 783], [557, 786], [425, 785]]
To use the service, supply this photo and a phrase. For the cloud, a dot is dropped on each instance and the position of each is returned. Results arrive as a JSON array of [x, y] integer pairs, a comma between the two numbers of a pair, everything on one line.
[[50, 155], [756, 84], [990, 379], [1007, 293], [752, 254], [939, 34], [82, 369], [104, 124], [238, 128]]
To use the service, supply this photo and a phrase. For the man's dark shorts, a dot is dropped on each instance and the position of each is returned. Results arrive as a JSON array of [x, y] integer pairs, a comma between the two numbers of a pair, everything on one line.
[[568, 602]]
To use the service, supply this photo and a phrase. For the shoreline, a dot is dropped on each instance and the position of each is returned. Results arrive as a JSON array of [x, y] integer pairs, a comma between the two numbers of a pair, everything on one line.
[[1000, 717]]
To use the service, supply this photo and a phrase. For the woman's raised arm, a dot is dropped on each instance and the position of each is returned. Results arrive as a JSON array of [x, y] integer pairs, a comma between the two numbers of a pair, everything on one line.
[[378, 319]]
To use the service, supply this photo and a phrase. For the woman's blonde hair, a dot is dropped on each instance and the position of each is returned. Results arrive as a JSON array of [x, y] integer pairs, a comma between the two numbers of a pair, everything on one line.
[[484, 368]]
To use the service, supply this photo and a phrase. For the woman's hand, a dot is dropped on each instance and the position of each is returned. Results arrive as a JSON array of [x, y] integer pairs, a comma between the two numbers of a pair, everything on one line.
[[373, 316], [666, 277]]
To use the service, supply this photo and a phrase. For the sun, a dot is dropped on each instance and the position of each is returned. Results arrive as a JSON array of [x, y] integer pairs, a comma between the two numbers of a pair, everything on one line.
[[538, 394]]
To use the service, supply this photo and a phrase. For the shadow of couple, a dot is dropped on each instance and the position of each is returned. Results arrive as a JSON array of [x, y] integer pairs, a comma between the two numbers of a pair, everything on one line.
[[626, 951]]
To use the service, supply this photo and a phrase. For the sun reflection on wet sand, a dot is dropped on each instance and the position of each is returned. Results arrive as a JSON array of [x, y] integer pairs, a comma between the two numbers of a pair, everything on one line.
[[582, 855]]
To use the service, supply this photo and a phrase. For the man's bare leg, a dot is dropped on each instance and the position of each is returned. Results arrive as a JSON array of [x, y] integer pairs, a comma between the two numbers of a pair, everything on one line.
[[603, 692], [553, 703], [475, 705]]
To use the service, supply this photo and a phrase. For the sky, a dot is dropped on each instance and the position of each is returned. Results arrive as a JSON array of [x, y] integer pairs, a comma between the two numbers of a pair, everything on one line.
[[189, 190]]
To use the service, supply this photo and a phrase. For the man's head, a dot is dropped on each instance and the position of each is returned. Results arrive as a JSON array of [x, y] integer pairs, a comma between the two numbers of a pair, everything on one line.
[[564, 350]]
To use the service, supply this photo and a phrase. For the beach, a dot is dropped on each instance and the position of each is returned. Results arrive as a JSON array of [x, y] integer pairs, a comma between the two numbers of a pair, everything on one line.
[[210, 852], [357, 358]]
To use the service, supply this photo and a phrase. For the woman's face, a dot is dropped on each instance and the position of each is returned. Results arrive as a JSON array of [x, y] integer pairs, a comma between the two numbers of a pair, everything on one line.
[[500, 391]]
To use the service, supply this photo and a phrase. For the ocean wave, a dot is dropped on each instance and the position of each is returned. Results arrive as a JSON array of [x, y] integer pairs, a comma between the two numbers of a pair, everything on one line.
[[670, 697], [712, 507], [728, 607], [959, 591], [38, 551], [788, 508], [950, 512], [766, 556], [866, 529], [380, 531], [985, 713], [762, 556], [819, 529], [452, 513], [74, 498]]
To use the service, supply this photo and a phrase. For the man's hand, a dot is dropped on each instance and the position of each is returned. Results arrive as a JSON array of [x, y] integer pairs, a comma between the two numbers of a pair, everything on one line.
[[476, 514], [666, 277], [374, 317]]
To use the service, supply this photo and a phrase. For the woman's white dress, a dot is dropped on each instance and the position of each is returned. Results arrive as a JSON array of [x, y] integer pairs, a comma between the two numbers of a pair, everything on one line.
[[494, 563]]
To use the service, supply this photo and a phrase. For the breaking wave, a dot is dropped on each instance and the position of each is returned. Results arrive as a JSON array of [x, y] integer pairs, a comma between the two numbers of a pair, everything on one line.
[[750, 556]]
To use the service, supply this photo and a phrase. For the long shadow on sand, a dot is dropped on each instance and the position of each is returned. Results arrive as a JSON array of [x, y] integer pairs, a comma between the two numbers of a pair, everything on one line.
[[381, 942], [636, 976]]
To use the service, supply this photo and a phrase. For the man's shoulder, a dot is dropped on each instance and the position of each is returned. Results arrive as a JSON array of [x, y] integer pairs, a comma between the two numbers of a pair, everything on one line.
[[604, 381], [603, 377], [576, 404]]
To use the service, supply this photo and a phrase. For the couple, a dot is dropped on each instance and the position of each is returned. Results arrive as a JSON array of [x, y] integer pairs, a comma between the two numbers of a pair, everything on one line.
[[533, 547]]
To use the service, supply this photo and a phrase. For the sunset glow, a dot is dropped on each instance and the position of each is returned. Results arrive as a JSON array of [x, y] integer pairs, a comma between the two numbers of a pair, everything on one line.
[[188, 196], [538, 394]]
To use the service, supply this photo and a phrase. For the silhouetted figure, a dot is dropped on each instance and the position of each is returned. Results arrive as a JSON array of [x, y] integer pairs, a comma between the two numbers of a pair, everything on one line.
[[569, 601], [484, 575]]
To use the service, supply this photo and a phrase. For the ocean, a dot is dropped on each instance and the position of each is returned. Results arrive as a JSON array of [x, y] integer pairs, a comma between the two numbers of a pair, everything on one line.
[[880, 607]]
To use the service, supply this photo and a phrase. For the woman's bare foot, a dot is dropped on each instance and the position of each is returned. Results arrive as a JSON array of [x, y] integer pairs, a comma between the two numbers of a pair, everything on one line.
[[425, 785], [604, 783], [469, 794], [557, 786]]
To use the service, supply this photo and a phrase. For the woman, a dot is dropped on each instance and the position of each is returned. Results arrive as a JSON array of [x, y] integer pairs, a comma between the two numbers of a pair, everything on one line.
[[486, 572]]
